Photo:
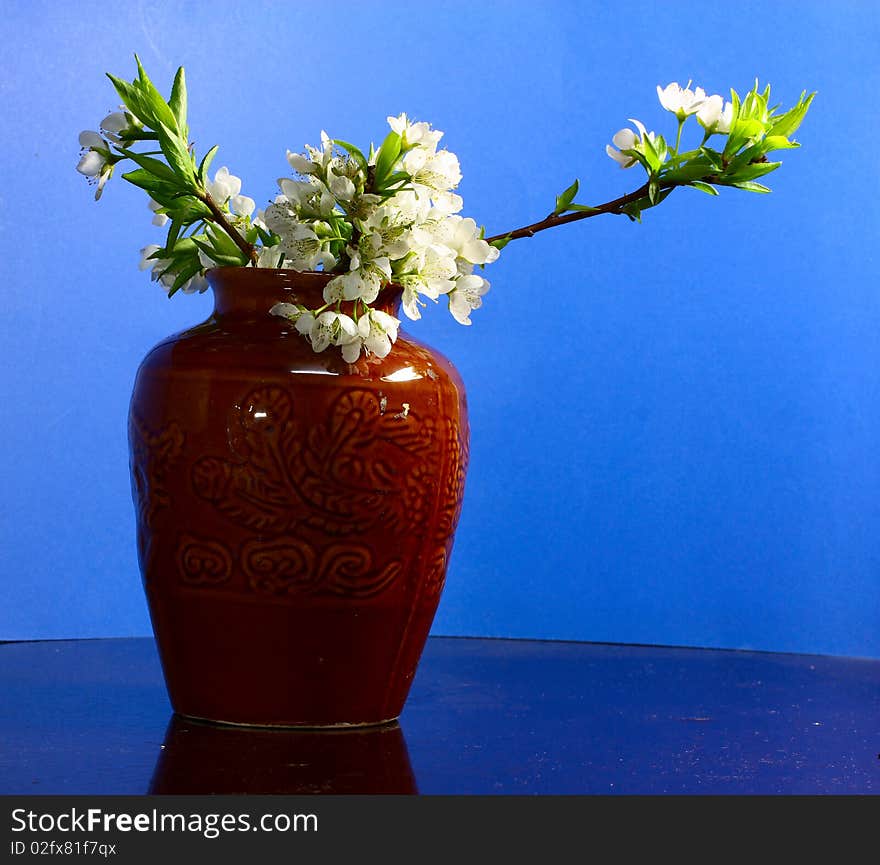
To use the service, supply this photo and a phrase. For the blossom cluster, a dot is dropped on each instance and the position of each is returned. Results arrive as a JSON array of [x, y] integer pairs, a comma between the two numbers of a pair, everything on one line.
[[392, 217], [712, 112]]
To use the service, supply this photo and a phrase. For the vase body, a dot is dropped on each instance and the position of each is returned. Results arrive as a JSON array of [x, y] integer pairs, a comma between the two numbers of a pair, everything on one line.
[[295, 513]]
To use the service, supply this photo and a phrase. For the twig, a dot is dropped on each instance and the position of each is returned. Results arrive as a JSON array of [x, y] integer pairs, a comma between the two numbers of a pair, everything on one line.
[[220, 218], [616, 206]]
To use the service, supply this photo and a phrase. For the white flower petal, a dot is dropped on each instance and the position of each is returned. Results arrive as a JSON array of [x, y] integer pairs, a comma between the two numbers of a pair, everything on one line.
[[351, 351], [91, 139], [242, 205], [91, 163]]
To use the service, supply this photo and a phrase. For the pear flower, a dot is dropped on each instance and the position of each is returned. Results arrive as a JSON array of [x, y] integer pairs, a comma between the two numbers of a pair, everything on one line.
[[159, 219], [377, 331], [466, 297], [328, 328], [113, 124], [430, 272], [436, 172], [301, 163], [302, 248], [715, 115], [681, 101], [226, 188], [625, 140], [364, 280], [465, 240], [95, 162], [271, 257], [415, 134]]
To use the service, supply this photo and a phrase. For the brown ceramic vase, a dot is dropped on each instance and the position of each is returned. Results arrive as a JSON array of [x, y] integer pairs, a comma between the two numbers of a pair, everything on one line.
[[295, 513]]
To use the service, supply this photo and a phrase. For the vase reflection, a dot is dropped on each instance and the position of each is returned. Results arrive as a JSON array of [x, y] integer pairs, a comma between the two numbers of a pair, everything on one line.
[[204, 758]]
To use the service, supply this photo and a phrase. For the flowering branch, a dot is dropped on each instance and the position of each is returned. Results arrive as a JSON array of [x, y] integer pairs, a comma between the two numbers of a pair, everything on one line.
[[752, 129], [617, 206], [391, 215]]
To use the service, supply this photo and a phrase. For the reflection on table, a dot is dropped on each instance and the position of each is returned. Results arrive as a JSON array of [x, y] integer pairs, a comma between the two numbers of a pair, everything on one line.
[[202, 758]]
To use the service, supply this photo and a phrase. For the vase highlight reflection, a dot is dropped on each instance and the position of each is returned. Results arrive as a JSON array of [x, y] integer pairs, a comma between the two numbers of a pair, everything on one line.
[[209, 759], [295, 513]]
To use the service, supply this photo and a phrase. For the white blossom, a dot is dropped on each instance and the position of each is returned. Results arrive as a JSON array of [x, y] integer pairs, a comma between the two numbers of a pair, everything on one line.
[[301, 163], [272, 257], [464, 238], [466, 297], [309, 198], [342, 187], [94, 161], [364, 280], [415, 134], [626, 139], [378, 330], [302, 248], [715, 115], [681, 101], [113, 124], [225, 188], [430, 272], [438, 172], [159, 219]]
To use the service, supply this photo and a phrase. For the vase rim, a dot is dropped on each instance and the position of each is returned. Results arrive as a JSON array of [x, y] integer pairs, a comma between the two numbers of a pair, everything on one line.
[[254, 290]]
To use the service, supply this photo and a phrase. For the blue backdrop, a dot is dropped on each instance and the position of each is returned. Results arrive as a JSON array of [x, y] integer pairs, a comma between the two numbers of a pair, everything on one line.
[[675, 425]]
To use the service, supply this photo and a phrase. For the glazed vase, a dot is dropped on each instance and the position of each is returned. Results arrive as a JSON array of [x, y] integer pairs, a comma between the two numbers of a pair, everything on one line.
[[295, 513]]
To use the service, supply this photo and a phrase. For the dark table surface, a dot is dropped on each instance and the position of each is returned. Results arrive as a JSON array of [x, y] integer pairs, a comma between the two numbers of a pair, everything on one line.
[[484, 717]]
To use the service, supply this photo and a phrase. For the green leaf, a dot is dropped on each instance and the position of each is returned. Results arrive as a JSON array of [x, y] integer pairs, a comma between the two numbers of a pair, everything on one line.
[[184, 276], [651, 154], [206, 163], [703, 187], [354, 152], [160, 190], [653, 190], [633, 210], [583, 208], [219, 257], [131, 98], [712, 157], [225, 245], [188, 209], [173, 233], [154, 166], [750, 172], [177, 102], [660, 148], [751, 186], [386, 157], [177, 154], [695, 170], [567, 196], [778, 142], [153, 99], [267, 237], [786, 124], [184, 248], [501, 242]]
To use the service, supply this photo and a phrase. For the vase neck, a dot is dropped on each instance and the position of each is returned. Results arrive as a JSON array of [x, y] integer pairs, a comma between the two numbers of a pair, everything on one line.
[[248, 294]]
